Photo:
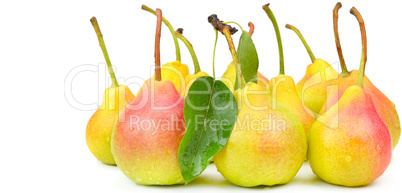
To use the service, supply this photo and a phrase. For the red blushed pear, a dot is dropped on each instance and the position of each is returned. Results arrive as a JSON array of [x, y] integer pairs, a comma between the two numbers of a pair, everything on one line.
[[312, 88], [283, 89], [351, 145], [146, 139], [385, 108], [102, 122]]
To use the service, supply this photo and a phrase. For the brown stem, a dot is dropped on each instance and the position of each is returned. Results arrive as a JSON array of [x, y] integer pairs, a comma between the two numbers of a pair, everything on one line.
[[217, 24], [251, 25], [158, 75], [227, 31], [345, 71], [363, 59]]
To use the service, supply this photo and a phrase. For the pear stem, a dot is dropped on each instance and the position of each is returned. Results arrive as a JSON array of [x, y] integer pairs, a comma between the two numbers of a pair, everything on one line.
[[278, 37], [213, 56], [227, 22], [158, 76], [310, 53], [251, 25], [363, 58], [345, 71], [228, 31], [166, 22], [105, 54], [179, 34]]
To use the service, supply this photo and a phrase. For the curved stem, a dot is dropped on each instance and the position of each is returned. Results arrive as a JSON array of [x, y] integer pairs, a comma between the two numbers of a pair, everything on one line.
[[166, 22], [251, 25], [228, 31], [278, 37], [213, 56], [363, 58], [345, 71], [227, 22], [240, 82], [158, 76], [105, 54], [310, 53], [190, 48]]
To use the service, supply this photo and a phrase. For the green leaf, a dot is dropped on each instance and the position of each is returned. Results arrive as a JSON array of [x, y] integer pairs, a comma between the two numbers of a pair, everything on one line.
[[248, 57], [210, 112]]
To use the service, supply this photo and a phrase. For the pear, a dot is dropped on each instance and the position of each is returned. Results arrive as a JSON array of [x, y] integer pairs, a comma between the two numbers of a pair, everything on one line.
[[384, 107], [189, 80], [267, 138], [100, 125], [146, 139], [312, 88], [174, 71], [351, 145], [229, 78], [265, 142], [283, 89]]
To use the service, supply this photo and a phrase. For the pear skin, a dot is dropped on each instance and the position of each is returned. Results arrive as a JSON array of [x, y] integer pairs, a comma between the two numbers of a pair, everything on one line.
[[177, 73], [260, 152], [146, 140], [229, 78], [102, 122], [384, 107], [350, 145], [190, 80], [312, 88], [283, 89]]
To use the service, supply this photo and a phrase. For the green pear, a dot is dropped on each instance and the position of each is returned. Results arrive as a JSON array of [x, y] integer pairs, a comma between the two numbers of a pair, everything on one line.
[[102, 122], [146, 139], [267, 145]]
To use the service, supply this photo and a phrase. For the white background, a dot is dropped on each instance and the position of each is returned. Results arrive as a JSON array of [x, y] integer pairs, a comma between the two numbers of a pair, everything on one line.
[[42, 142]]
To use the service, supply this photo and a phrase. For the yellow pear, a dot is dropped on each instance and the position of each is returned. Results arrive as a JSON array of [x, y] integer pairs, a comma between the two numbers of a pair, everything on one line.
[[283, 89], [102, 122], [312, 88], [229, 78], [267, 145], [100, 125]]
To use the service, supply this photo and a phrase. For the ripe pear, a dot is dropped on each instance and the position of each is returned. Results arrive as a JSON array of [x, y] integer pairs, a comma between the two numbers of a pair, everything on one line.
[[350, 145], [146, 143], [229, 78], [176, 72], [384, 107], [283, 89], [312, 88], [100, 125], [267, 145], [146, 139], [102, 122]]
